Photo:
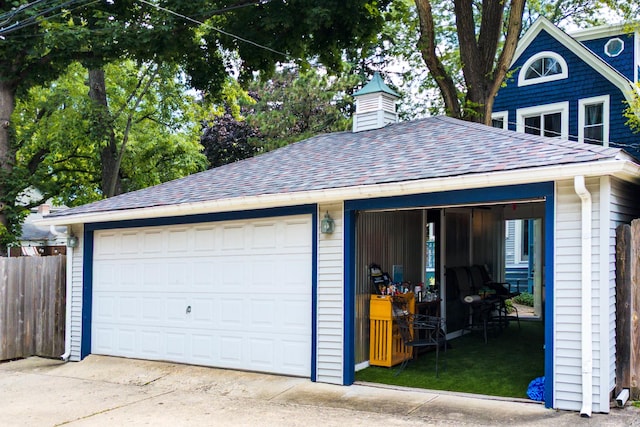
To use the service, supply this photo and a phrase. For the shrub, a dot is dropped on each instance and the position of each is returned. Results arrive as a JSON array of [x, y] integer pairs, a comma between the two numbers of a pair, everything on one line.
[[524, 298]]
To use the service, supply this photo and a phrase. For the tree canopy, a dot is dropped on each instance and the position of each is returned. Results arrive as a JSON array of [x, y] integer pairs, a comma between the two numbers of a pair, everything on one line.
[[207, 40]]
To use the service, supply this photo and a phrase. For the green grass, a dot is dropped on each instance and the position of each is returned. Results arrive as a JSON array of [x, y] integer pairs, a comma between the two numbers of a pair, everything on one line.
[[503, 366]]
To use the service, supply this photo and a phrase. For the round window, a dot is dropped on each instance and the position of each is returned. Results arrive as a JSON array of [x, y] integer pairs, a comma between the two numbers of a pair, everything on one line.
[[614, 47]]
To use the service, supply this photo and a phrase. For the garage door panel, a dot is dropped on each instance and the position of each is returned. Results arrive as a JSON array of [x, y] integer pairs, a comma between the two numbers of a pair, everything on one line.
[[152, 309], [176, 345], [247, 284], [152, 242], [151, 343], [126, 341], [231, 349]]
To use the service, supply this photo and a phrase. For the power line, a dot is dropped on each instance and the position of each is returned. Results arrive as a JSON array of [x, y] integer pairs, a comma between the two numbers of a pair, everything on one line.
[[226, 33], [33, 20]]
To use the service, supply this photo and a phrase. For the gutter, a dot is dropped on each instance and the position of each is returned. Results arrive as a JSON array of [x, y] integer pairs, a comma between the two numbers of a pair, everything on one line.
[[623, 169], [586, 327]]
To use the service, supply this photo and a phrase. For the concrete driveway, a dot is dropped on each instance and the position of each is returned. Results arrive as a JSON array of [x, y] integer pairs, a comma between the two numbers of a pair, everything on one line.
[[112, 391]]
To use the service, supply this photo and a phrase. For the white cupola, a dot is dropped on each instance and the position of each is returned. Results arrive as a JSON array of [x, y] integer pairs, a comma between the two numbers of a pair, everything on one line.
[[375, 105]]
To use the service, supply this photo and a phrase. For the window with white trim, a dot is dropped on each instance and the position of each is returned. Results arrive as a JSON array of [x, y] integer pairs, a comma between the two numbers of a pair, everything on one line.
[[550, 120], [593, 120], [499, 120], [614, 47], [543, 67], [521, 241]]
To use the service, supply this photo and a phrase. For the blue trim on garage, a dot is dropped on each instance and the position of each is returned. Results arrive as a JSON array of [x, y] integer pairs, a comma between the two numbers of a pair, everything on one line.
[[503, 194], [314, 295], [87, 277], [349, 315], [87, 293], [549, 295]]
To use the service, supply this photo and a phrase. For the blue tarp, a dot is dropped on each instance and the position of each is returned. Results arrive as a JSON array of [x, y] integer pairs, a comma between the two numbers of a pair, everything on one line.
[[535, 391]]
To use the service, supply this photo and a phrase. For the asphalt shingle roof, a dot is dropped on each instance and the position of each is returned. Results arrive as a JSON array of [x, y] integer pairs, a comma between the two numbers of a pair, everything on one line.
[[434, 147]]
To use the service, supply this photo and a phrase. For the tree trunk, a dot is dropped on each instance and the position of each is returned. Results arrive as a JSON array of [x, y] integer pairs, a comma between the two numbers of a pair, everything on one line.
[[103, 130], [483, 75], [7, 155], [427, 44]]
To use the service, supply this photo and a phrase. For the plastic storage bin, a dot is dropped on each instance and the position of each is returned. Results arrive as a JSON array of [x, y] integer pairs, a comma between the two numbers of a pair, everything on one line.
[[385, 344]]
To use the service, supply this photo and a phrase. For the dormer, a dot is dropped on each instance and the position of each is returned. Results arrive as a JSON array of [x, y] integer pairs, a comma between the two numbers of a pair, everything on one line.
[[375, 105]]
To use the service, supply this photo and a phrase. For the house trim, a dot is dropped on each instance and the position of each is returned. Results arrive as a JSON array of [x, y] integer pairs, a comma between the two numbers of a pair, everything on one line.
[[558, 107], [541, 191], [606, 117], [88, 239], [586, 55], [522, 81]]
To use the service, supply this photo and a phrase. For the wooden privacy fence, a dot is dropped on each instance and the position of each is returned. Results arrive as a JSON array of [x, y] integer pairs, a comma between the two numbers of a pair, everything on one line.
[[628, 308], [32, 306]]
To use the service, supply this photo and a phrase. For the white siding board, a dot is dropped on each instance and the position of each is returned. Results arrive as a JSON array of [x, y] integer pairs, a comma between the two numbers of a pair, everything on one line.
[[613, 204], [76, 295], [567, 293], [330, 299]]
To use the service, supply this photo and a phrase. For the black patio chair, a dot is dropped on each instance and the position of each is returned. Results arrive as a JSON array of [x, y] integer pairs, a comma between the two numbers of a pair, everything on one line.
[[419, 331], [481, 277]]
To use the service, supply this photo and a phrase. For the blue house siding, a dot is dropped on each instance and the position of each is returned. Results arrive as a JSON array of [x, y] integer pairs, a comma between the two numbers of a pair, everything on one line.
[[582, 82], [624, 62]]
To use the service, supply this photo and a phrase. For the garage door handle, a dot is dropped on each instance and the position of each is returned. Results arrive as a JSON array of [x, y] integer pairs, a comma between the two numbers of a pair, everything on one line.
[[188, 309]]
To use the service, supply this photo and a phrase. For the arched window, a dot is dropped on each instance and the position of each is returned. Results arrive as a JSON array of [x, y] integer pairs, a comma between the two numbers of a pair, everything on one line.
[[543, 67]]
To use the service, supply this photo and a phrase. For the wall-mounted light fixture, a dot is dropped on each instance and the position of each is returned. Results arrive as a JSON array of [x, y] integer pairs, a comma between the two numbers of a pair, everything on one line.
[[327, 224], [72, 241]]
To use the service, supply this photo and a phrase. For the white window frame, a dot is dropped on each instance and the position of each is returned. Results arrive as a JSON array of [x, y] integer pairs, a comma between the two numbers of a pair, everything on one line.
[[558, 107], [546, 54], [518, 257], [604, 100], [606, 47], [504, 115]]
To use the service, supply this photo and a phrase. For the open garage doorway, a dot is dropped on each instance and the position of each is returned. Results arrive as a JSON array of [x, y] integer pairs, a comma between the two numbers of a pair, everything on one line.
[[422, 246]]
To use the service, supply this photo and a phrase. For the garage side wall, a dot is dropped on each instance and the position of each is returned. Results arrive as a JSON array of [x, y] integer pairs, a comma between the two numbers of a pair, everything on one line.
[[330, 298], [567, 292], [624, 208], [76, 294]]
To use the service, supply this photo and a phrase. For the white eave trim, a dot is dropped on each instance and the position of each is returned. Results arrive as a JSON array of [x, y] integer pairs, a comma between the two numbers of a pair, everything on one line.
[[620, 168], [590, 58]]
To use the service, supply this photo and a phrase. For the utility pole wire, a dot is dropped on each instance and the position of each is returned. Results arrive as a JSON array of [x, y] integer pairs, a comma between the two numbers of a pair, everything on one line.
[[195, 21]]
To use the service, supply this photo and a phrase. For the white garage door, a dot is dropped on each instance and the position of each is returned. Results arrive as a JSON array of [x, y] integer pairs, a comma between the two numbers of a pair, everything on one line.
[[232, 294]]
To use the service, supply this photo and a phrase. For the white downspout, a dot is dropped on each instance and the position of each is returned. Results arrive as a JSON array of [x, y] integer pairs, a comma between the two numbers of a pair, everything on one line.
[[67, 324], [586, 329]]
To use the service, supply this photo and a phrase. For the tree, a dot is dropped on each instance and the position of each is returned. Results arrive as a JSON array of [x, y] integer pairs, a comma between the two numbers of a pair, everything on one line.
[[290, 106], [632, 112], [40, 39], [297, 104], [157, 125], [402, 38], [478, 47]]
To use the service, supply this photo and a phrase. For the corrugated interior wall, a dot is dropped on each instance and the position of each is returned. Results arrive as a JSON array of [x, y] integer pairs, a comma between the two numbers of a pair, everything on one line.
[[387, 239], [488, 240]]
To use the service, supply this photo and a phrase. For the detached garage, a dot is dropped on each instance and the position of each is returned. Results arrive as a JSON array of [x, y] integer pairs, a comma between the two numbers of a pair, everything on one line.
[[231, 267]]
